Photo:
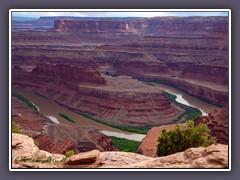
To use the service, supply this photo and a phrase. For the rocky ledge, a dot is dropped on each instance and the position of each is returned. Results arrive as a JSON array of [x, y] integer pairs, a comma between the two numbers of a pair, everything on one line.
[[25, 154]]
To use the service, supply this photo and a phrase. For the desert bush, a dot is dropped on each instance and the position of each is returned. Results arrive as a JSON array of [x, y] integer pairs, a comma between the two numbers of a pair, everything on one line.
[[182, 138], [15, 128], [69, 153]]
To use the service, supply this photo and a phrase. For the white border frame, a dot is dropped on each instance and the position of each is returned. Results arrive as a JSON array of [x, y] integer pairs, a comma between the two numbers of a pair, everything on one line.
[[117, 10]]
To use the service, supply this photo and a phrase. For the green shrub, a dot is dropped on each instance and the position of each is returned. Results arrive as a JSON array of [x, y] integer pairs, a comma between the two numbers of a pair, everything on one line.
[[69, 153], [15, 128], [182, 138]]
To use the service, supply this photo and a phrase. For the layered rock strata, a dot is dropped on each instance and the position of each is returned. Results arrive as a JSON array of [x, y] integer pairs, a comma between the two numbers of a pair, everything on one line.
[[193, 49], [144, 25], [217, 121], [118, 100]]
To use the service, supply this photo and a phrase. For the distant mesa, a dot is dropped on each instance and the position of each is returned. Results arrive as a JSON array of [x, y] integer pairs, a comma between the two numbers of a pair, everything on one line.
[[144, 25]]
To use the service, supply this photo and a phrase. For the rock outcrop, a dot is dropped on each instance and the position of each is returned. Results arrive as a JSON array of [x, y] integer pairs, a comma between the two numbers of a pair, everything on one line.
[[85, 138], [23, 147], [148, 146], [217, 121], [214, 156]]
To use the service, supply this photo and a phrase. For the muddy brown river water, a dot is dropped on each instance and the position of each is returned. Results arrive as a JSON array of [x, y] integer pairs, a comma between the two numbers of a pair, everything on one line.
[[52, 109]]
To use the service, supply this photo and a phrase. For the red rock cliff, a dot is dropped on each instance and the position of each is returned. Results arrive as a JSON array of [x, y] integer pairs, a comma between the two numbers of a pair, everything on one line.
[[145, 25]]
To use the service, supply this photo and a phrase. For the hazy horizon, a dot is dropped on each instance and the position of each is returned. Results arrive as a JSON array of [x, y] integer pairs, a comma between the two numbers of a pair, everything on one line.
[[117, 14]]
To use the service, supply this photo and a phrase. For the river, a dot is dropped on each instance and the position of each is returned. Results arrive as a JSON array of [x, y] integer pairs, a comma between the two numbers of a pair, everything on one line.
[[189, 100], [52, 109]]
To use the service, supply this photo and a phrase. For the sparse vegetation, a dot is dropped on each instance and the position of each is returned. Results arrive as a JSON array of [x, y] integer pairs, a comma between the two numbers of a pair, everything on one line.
[[41, 95], [190, 112], [16, 128], [67, 118], [69, 153], [49, 160], [136, 129], [182, 138], [22, 98], [124, 144], [36, 143]]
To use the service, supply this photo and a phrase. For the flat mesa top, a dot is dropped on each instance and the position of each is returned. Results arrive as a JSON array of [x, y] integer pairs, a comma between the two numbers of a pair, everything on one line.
[[124, 84]]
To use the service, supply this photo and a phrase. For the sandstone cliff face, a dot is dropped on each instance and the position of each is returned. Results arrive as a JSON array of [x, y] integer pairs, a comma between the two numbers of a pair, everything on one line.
[[144, 25], [214, 156], [69, 75], [217, 121], [214, 93], [213, 73]]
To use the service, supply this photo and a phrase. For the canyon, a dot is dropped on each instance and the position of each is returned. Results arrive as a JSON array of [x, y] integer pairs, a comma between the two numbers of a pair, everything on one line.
[[117, 100], [110, 70], [167, 50], [57, 138]]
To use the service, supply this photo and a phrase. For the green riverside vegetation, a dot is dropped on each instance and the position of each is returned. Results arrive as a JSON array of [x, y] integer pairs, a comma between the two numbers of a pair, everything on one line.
[[190, 112], [67, 118], [41, 95], [136, 129], [152, 83], [183, 138], [124, 144], [22, 98]]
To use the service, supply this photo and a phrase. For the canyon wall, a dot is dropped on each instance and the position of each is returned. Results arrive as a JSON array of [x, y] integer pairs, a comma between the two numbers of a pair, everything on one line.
[[144, 25], [189, 53], [66, 74], [120, 101], [217, 121]]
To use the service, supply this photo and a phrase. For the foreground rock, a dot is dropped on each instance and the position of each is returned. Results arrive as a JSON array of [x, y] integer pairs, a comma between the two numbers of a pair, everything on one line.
[[84, 158], [217, 121], [23, 147], [214, 156]]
